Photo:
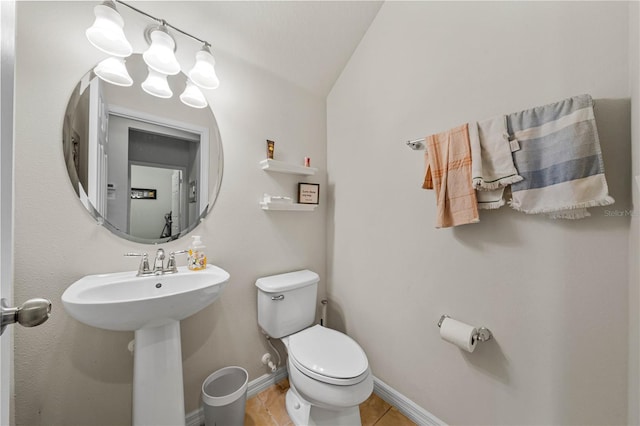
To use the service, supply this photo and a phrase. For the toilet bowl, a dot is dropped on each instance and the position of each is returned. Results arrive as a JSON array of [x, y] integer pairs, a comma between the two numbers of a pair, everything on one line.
[[329, 373], [329, 377]]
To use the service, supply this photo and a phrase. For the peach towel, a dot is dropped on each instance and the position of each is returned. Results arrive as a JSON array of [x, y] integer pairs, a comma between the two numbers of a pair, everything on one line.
[[448, 170]]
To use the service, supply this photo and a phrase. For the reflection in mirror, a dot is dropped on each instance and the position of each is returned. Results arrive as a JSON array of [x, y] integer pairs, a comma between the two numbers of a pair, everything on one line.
[[148, 169]]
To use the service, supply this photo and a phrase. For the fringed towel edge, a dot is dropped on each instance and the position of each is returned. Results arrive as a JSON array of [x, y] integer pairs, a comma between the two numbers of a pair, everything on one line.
[[606, 201], [491, 206], [570, 214]]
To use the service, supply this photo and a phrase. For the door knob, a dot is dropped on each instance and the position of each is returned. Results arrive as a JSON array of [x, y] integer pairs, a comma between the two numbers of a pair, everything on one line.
[[31, 313]]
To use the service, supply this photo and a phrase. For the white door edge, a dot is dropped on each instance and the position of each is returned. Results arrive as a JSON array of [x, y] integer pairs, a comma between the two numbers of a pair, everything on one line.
[[7, 68]]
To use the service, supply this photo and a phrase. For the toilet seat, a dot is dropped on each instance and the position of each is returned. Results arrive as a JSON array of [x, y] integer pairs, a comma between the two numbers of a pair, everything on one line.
[[328, 356]]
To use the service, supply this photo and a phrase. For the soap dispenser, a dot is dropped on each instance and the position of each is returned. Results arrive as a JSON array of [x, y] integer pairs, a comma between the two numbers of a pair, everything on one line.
[[197, 258]]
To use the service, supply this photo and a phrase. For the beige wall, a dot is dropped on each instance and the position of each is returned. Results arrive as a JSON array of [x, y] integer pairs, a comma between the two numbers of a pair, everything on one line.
[[553, 292], [68, 373]]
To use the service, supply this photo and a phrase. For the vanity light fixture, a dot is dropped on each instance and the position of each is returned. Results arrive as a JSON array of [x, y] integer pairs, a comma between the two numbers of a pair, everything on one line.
[[107, 35]]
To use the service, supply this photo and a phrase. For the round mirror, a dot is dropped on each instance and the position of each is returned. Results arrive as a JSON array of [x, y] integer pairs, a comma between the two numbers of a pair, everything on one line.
[[147, 168]]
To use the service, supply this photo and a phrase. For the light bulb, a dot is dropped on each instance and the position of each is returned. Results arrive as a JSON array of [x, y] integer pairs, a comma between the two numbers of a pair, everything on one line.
[[157, 85], [193, 97], [106, 33], [160, 54], [113, 70], [203, 72]]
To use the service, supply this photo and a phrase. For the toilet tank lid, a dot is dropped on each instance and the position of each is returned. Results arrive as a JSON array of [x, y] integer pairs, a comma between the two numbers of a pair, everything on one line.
[[288, 281]]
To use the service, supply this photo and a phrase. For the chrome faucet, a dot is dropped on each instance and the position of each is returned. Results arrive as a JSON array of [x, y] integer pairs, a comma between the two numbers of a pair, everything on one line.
[[158, 263]]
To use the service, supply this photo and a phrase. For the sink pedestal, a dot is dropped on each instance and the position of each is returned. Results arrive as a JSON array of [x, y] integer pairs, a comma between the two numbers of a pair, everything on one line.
[[158, 397], [152, 306]]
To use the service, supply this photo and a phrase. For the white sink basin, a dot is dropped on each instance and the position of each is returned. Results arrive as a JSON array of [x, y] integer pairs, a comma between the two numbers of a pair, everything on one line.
[[122, 301]]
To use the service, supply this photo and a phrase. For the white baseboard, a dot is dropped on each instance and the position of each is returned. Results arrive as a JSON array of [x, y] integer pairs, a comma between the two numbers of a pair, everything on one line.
[[410, 409], [261, 383], [196, 417]]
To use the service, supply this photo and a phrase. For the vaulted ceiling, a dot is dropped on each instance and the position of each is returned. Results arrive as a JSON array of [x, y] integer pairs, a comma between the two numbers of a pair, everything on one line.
[[307, 43]]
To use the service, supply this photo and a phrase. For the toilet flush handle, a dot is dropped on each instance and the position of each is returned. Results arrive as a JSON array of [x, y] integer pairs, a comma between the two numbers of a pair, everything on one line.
[[279, 297]]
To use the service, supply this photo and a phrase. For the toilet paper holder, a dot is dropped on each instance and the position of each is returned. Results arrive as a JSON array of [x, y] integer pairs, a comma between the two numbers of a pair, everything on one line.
[[482, 335]]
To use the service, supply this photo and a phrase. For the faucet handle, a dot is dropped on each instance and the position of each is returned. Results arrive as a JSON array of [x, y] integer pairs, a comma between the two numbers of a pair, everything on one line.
[[144, 262], [171, 263]]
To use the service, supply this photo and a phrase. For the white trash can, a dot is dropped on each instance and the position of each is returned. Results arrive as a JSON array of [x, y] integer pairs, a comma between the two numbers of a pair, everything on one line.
[[224, 395]]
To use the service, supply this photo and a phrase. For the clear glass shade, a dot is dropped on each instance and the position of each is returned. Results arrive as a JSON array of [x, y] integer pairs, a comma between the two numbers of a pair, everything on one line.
[[203, 72], [106, 33], [113, 70], [157, 85], [193, 97], [160, 55]]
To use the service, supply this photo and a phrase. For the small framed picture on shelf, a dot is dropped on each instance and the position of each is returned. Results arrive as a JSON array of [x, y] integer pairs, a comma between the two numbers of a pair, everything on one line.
[[271, 146], [308, 193]]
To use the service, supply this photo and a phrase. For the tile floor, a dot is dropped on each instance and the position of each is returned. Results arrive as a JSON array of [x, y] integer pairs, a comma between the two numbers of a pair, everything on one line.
[[268, 409]]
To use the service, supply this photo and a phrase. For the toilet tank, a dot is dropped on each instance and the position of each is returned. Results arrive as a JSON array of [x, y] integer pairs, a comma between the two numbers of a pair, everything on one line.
[[287, 302]]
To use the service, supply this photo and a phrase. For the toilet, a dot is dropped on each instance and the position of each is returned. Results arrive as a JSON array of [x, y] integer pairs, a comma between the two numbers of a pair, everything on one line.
[[329, 374]]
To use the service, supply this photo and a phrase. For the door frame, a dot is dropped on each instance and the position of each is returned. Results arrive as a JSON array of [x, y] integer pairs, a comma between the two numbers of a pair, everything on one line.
[[7, 78]]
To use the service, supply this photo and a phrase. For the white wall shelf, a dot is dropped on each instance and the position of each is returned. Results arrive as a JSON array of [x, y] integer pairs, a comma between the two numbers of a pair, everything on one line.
[[288, 206], [282, 167]]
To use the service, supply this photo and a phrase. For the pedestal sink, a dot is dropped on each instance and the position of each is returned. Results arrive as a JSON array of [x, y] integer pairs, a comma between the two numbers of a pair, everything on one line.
[[152, 306]]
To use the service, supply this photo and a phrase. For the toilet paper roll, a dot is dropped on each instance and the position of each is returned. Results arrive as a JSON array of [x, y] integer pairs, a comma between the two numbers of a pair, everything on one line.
[[459, 333]]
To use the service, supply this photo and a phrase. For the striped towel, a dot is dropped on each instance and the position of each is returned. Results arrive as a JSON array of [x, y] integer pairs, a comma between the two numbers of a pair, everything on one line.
[[559, 158], [448, 171], [491, 161]]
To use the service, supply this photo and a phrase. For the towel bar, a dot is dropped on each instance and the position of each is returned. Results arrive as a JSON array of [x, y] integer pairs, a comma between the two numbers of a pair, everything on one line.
[[416, 144]]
